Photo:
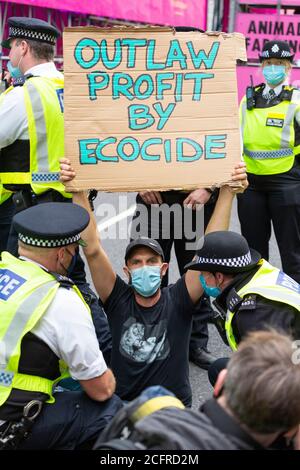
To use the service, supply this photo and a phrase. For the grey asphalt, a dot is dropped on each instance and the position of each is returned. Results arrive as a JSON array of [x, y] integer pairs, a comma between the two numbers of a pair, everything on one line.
[[116, 237]]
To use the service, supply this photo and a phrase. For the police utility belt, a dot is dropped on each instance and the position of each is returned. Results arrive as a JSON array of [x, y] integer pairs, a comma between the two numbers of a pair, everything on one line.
[[26, 198]]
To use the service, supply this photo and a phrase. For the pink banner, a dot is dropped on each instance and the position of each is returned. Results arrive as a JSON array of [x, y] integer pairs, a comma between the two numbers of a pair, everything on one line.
[[244, 72], [271, 2], [162, 12], [261, 28]]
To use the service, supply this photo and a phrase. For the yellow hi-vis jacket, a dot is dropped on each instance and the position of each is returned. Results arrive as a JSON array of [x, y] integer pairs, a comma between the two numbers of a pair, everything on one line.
[[44, 107], [270, 283], [26, 292], [269, 136]]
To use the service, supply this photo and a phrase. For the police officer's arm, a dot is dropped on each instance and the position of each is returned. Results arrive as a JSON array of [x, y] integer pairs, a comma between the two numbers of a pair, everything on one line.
[[100, 388], [220, 220]]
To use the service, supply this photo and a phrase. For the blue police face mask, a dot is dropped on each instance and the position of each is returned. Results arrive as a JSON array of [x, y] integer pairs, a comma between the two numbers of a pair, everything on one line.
[[146, 280], [15, 72], [274, 74], [210, 291]]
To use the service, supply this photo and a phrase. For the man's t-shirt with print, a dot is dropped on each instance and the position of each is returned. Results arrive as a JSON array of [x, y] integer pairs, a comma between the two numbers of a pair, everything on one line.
[[150, 345]]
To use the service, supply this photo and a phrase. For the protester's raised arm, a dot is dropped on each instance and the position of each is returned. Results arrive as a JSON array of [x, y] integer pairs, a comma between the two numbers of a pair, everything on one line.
[[102, 272], [220, 220]]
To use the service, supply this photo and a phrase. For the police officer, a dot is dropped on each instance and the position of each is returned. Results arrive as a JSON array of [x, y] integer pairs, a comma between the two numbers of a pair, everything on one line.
[[31, 114], [270, 121], [250, 293], [46, 333], [32, 139]]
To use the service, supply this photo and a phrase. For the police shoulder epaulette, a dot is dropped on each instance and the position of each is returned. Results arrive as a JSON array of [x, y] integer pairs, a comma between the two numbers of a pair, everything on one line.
[[259, 87], [62, 280], [19, 81]]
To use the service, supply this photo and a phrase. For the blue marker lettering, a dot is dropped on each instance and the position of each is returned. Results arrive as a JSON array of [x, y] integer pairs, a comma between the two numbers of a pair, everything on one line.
[[214, 141], [96, 85], [179, 150], [150, 64], [137, 112], [148, 143], [117, 59], [202, 57], [135, 149], [175, 54], [132, 44], [140, 81], [87, 155], [197, 77], [101, 145], [163, 114], [119, 88], [83, 44], [161, 86]]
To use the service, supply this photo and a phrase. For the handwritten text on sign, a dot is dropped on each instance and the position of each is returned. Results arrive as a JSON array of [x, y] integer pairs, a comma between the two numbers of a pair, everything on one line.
[[158, 99]]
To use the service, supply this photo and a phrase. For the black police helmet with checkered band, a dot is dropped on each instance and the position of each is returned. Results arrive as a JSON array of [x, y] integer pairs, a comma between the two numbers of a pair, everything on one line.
[[226, 252], [30, 28], [51, 225], [276, 50]]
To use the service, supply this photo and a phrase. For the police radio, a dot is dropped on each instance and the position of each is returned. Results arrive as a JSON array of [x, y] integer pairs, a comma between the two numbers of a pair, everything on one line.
[[250, 99]]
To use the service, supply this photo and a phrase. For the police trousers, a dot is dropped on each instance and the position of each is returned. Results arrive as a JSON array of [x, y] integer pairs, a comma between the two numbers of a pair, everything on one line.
[[73, 421]]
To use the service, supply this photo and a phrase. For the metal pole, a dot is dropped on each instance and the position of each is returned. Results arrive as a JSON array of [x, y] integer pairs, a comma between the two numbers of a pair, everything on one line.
[[278, 7], [232, 13]]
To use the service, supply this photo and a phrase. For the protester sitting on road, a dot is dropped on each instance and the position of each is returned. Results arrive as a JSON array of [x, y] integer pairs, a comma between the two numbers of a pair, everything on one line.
[[47, 333], [255, 406], [150, 326]]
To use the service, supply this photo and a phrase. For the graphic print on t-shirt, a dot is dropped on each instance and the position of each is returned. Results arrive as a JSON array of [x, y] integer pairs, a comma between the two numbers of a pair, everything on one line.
[[144, 343]]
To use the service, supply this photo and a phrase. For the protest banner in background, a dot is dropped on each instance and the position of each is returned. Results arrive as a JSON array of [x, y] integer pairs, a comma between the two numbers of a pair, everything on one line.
[[148, 108], [258, 29]]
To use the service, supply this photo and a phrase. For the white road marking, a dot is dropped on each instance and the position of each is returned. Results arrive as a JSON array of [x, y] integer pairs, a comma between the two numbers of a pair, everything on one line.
[[117, 218]]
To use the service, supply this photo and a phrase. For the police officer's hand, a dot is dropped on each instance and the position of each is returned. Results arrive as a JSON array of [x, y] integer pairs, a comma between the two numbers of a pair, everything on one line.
[[199, 196], [238, 176], [151, 197], [67, 173]]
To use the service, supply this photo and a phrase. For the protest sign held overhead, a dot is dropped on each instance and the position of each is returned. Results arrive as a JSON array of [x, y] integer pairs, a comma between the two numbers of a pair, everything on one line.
[[151, 108]]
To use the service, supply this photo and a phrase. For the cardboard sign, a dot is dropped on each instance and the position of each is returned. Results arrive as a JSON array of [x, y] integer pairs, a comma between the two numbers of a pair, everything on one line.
[[148, 108], [258, 29]]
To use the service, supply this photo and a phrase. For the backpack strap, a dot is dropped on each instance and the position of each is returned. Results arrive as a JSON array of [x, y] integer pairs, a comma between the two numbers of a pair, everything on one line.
[[155, 404]]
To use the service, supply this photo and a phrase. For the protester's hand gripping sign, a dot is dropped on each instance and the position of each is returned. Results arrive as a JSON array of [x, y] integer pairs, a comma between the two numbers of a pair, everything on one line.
[[148, 108]]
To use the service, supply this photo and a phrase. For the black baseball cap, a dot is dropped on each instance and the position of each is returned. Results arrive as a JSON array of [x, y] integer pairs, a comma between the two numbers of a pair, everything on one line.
[[144, 241]]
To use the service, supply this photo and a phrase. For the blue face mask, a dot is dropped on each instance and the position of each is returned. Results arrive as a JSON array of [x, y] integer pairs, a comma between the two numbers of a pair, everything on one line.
[[210, 291], [274, 74], [15, 72], [146, 280]]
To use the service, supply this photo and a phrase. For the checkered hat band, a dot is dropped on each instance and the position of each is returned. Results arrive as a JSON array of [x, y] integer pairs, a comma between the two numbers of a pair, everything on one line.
[[283, 54], [238, 262], [48, 243], [15, 32]]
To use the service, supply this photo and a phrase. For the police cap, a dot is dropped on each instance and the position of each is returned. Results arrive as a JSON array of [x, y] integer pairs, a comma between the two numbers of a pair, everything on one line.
[[225, 252], [51, 225], [30, 28], [276, 50]]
